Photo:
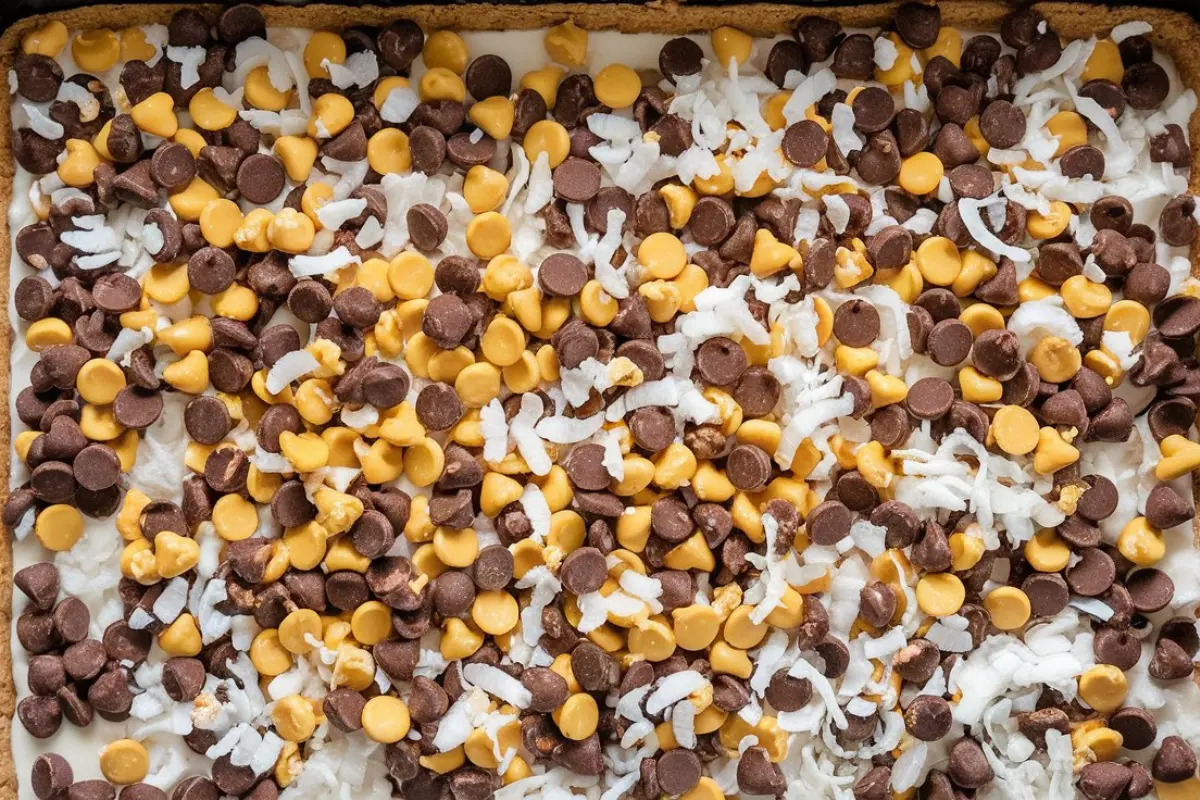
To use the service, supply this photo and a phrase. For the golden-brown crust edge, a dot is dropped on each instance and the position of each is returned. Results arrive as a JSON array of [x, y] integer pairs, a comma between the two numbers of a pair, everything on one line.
[[1174, 32]]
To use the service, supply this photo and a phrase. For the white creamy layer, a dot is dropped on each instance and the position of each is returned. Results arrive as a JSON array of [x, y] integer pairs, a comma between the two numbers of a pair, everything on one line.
[[92, 571]]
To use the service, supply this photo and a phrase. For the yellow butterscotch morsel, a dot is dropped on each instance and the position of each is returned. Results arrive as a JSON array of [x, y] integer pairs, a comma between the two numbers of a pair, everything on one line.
[[296, 629], [1180, 456], [96, 50], [175, 554], [443, 763], [578, 717], [948, 45], [545, 82], [331, 114], [695, 626], [306, 544], [965, 551], [921, 173], [209, 113], [99, 424], [901, 70], [371, 622], [938, 260], [652, 639], [294, 718], [1183, 790], [1085, 299], [495, 612], [730, 44], [1128, 316], [167, 283], [720, 183], [305, 451], [980, 317], [262, 94], [456, 548], [188, 336], [742, 632], [386, 86], [885, 389], [1047, 552], [1071, 130], [567, 44], [234, 518], [730, 660], [489, 234], [24, 441], [1015, 430], [1056, 359], [459, 640], [440, 83], [523, 376], [1104, 63], [1140, 542], [770, 255], [940, 594], [251, 234], [410, 275], [1009, 608], [47, 40], [1103, 687], [190, 139], [505, 275], [1053, 452], [219, 221], [1051, 224], [189, 203], [617, 86], [46, 333], [681, 201], [423, 462], [237, 302], [291, 231], [549, 137], [99, 381], [58, 527], [662, 255], [503, 342], [323, 46], [268, 654], [156, 115], [354, 667], [137, 562], [181, 637], [445, 366], [979, 388], [124, 761], [705, 789], [385, 719], [79, 167], [484, 188], [976, 268], [298, 154]]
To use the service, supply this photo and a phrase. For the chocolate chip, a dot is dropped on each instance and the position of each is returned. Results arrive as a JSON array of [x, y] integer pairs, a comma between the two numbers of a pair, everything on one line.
[[856, 323], [562, 275], [400, 43], [721, 361], [829, 523], [930, 398], [757, 391], [427, 226], [1146, 85], [950, 342], [805, 143], [428, 148], [1092, 574], [748, 467], [712, 221], [854, 58], [670, 520], [260, 178], [1177, 223], [928, 717], [447, 320], [756, 774]]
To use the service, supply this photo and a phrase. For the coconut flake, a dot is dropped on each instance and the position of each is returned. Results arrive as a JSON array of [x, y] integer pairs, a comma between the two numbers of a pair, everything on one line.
[[308, 266], [292, 366], [534, 503], [498, 683], [844, 137], [541, 185], [838, 212], [1126, 29], [494, 428], [189, 60], [968, 209], [399, 105], [335, 214], [41, 124], [370, 234], [673, 688], [568, 430]]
